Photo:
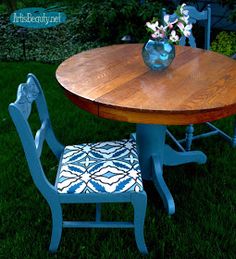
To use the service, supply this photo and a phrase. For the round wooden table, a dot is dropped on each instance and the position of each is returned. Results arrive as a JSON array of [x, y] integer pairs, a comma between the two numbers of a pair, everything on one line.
[[113, 82]]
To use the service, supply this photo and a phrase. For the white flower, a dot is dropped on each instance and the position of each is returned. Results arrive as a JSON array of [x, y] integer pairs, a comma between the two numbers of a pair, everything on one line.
[[158, 34], [182, 11], [166, 18], [158, 31], [152, 26], [172, 28], [185, 18], [162, 28], [173, 36], [154, 35], [186, 30], [167, 21]]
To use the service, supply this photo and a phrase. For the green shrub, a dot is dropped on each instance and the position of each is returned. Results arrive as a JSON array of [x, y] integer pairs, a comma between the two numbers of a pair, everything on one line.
[[109, 20], [90, 24], [51, 45], [225, 43]]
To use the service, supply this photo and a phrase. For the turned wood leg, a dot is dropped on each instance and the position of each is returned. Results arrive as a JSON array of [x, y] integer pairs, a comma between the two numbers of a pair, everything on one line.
[[189, 136]]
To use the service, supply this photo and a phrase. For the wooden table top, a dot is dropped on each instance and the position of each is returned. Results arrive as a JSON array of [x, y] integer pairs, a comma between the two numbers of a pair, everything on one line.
[[113, 82]]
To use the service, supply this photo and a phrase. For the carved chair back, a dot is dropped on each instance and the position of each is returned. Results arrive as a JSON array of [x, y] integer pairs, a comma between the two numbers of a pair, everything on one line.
[[20, 110], [195, 16]]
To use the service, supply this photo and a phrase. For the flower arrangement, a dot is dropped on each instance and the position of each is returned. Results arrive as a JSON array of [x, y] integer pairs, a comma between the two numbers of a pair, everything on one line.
[[172, 30]]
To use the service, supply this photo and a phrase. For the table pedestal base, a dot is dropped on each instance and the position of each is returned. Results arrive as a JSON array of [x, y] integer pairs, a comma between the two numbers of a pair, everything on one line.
[[154, 153]]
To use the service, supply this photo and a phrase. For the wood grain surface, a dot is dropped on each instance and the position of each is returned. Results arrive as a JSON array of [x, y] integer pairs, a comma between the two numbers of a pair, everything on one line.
[[113, 82]]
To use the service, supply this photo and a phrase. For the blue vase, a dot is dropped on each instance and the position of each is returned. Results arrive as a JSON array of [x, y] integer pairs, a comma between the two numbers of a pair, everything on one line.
[[158, 54]]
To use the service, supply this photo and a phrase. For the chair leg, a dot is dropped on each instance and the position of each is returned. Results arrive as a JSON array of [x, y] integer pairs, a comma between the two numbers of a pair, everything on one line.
[[139, 202], [56, 226], [98, 211], [189, 136], [234, 134]]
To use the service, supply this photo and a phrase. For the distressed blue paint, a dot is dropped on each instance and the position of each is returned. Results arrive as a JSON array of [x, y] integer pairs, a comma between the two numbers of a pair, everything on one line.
[[20, 110], [154, 153], [189, 136]]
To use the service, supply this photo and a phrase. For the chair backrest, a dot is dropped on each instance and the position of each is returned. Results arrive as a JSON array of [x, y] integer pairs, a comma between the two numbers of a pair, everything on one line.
[[194, 16], [20, 111]]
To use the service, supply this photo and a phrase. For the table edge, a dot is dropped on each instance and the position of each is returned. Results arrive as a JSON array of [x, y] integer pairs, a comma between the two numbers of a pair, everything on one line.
[[150, 117]]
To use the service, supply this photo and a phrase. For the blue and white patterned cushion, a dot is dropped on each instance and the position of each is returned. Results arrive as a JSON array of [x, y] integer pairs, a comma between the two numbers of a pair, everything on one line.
[[104, 167]]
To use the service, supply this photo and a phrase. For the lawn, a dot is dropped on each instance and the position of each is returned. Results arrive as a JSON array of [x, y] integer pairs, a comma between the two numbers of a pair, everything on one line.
[[205, 220]]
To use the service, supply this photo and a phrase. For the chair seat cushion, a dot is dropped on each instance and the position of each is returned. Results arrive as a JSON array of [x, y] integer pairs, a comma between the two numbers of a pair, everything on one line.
[[104, 167]]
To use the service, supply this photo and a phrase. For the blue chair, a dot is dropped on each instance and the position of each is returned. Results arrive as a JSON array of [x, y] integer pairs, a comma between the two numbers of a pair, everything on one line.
[[97, 173], [204, 17]]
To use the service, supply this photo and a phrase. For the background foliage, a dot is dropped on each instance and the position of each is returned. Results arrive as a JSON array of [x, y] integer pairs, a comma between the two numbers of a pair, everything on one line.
[[225, 43], [89, 24]]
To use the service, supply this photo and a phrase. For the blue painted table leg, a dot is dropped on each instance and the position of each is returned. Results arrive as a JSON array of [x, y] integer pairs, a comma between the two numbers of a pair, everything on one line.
[[172, 157], [150, 140], [150, 144], [161, 186], [153, 154]]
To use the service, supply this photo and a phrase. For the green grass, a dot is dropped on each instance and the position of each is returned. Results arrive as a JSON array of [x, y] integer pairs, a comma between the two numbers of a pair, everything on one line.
[[205, 220]]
